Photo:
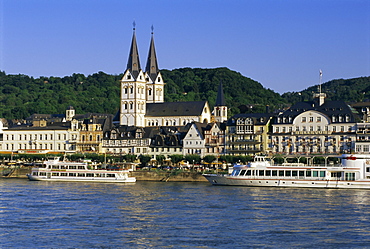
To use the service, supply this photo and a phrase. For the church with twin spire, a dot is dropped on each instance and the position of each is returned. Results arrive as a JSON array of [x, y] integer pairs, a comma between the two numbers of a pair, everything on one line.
[[142, 97]]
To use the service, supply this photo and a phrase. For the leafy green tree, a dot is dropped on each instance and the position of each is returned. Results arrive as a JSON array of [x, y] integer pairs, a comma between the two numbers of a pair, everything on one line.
[[209, 158], [160, 159], [130, 157], [144, 159], [176, 158]]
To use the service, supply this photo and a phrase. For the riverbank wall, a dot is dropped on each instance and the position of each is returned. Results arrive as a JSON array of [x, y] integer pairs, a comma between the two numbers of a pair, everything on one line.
[[153, 175]]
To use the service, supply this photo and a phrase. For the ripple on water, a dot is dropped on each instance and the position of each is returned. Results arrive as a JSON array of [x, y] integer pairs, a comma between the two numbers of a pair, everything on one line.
[[195, 215]]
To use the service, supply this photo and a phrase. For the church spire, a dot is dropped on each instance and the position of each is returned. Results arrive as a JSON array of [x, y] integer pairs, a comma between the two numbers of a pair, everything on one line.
[[220, 101], [220, 108], [152, 65], [133, 63]]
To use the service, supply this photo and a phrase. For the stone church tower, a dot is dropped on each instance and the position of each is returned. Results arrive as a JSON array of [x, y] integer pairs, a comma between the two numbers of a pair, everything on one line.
[[155, 84], [139, 88]]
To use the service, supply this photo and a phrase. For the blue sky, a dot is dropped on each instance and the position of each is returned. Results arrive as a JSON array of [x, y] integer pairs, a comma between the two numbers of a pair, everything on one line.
[[281, 44]]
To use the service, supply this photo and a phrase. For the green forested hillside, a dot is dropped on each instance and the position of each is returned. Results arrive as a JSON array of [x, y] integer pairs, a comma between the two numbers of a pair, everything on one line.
[[350, 90], [187, 84], [22, 95]]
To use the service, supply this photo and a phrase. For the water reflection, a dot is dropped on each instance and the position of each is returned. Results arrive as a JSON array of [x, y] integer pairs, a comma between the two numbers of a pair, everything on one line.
[[154, 214]]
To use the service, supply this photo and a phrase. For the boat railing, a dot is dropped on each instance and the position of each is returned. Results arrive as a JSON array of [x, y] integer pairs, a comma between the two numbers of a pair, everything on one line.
[[307, 165]]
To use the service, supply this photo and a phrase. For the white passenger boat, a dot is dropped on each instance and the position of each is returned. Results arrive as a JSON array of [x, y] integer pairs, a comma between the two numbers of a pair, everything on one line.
[[56, 170], [352, 172]]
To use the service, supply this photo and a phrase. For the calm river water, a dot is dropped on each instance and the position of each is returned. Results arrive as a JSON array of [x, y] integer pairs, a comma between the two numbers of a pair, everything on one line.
[[179, 215]]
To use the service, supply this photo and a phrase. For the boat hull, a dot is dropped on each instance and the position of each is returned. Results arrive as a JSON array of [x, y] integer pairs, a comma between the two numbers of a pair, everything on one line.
[[81, 179], [227, 180]]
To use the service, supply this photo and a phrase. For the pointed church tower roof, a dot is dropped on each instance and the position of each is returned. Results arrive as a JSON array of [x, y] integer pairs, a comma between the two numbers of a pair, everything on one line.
[[133, 63], [152, 65], [220, 101]]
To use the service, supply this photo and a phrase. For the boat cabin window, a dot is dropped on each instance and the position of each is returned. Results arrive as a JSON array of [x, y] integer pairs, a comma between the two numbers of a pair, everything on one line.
[[81, 167], [274, 173], [242, 172], [288, 173], [301, 173], [63, 174], [72, 167], [55, 167], [249, 172], [42, 174], [336, 174], [349, 176], [71, 174], [81, 174], [55, 174], [367, 169], [315, 173], [89, 175], [308, 173], [63, 167], [322, 173], [110, 175], [261, 173], [281, 172], [294, 173], [235, 172], [268, 172]]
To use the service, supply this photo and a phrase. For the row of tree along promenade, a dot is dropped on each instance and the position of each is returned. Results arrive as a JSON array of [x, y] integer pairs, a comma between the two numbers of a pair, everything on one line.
[[174, 168]]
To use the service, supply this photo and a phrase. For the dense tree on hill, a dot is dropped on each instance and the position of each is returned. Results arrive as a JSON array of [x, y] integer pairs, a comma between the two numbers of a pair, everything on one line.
[[21, 95], [350, 90]]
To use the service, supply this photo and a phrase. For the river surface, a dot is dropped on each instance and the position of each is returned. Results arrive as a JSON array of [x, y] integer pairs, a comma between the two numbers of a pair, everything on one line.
[[179, 215]]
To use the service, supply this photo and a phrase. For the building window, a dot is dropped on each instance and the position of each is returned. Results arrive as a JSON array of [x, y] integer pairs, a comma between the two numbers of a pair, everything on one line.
[[318, 119], [303, 119], [366, 148], [311, 119]]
